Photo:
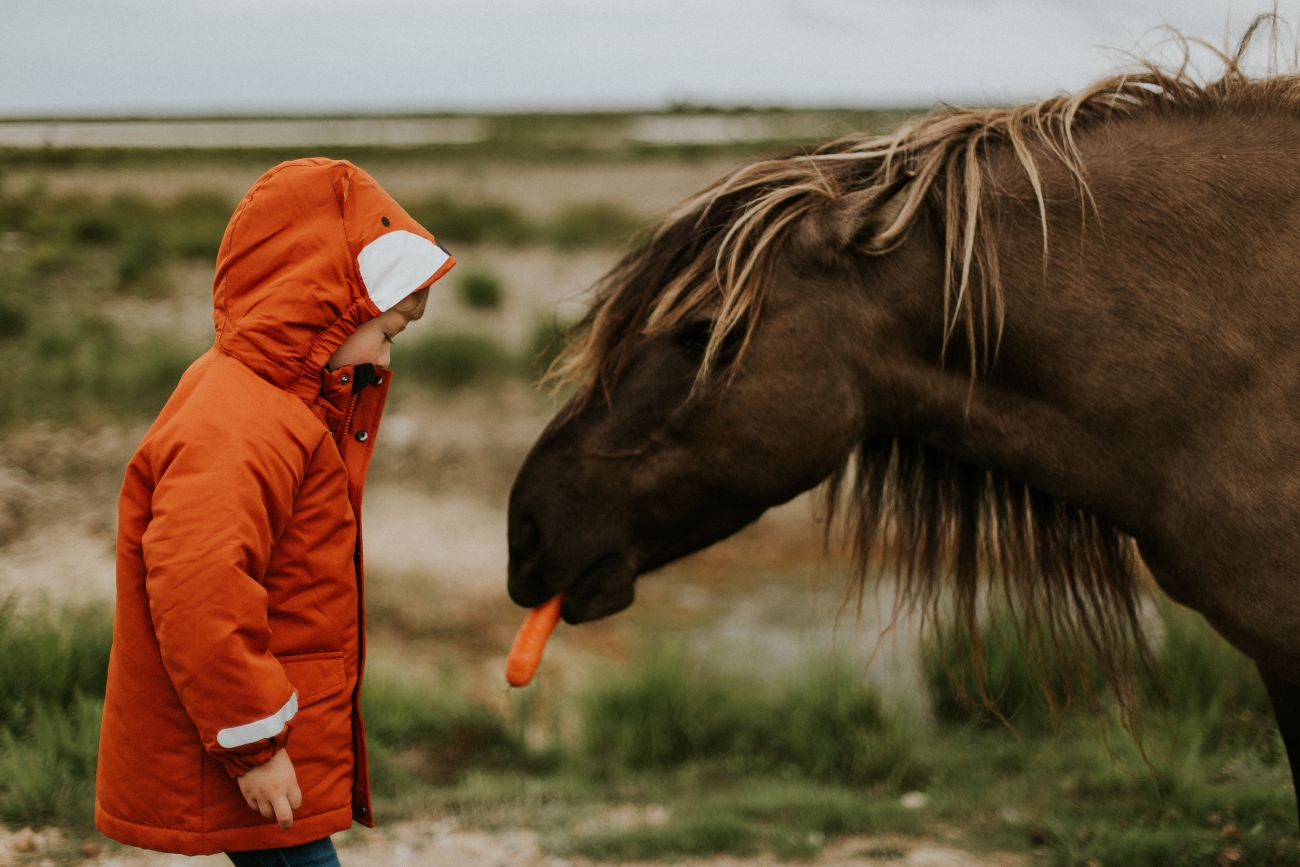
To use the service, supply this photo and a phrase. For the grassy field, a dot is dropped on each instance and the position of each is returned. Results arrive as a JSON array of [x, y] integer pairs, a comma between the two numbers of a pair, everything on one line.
[[694, 762], [63, 260], [659, 752]]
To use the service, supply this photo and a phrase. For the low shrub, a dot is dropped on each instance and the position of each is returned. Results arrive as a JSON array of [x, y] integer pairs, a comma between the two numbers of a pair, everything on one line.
[[664, 714], [48, 660], [597, 224], [825, 725], [141, 262], [481, 290], [1198, 682], [196, 223], [546, 340], [47, 769], [52, 674], [432, 737], [450, 360], [699, 836], [474, 223], [1212, 688], [14, 319], [64, 371], [1010, 691]]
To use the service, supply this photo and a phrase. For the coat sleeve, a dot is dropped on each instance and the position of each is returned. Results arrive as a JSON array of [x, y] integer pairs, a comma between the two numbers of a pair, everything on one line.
[[220, 501]]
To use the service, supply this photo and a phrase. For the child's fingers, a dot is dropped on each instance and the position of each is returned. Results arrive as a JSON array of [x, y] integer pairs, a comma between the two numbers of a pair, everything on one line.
[[265, 808], [295, 796], [283, 813]]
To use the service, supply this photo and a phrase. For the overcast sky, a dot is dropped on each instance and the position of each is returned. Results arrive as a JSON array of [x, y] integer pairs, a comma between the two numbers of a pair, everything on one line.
[[241, 56]]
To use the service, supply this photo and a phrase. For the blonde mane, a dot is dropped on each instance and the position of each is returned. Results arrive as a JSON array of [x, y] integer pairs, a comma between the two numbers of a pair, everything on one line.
[[712, 254]]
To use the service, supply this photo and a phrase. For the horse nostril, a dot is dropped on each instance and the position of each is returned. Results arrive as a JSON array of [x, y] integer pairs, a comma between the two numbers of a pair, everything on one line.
[[525, 540]]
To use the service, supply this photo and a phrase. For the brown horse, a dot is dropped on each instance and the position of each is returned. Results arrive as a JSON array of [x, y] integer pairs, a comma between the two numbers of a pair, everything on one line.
[[1016, 341]]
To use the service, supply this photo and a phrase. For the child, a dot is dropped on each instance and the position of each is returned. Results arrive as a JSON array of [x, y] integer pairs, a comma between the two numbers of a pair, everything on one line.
[[232, 720]]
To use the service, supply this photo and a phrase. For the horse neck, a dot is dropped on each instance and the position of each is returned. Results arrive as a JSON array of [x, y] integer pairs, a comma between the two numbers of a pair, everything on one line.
[[1149, 307]]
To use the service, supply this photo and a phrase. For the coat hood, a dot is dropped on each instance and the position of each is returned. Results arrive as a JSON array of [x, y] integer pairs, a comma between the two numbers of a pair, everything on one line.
[[315, 249]]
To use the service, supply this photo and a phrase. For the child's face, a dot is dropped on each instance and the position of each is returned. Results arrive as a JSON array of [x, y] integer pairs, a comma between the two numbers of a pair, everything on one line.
[[371, 343]]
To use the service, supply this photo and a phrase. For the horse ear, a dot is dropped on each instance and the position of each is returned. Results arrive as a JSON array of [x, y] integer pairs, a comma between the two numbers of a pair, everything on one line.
[[852, 220]]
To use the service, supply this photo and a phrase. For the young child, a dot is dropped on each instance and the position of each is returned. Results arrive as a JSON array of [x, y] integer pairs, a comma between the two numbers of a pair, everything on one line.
[[232, 718]]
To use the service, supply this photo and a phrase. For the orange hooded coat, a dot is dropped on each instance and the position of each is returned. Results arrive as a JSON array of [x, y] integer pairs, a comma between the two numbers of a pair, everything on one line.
[[239, 581]]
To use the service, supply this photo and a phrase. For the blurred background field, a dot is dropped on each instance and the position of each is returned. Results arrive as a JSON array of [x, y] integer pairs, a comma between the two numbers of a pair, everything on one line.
[[744, 707]]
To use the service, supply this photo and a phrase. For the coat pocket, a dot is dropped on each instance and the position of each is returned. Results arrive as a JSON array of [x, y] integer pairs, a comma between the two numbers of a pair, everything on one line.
[[315, 675]]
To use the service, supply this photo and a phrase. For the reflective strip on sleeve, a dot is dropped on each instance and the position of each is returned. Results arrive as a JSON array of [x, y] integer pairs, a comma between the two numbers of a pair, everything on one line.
[[240, 736], [396, 264]]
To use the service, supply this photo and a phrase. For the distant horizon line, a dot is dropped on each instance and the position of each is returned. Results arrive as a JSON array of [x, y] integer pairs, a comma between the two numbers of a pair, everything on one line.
[[419, 114]]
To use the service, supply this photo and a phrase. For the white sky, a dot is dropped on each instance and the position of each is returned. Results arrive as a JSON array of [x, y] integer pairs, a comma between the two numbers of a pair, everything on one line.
[[238, 56]]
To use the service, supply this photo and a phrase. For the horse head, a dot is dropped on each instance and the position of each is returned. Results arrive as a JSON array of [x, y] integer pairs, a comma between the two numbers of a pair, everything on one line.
[[701, 424]]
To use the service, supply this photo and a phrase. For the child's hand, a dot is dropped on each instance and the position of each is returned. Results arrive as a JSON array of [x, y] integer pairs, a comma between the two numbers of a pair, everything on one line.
[[272, 789]]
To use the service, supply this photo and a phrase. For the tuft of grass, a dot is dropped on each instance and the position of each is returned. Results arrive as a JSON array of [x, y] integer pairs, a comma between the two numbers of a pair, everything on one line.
[[663, 714], [197, 222], [48, 660], [591, 224], [1211, 690], [825, 725], [141, 264], [64, 371], [699, 836], [477, 223], [52, 674], [1024, 684], [546, 340], [596, 224], [14, 319], [434, 737], [451, 360], [47, 770], [481, 290]]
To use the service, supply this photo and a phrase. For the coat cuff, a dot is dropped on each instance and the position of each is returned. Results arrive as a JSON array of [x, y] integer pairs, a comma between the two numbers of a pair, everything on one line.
[[240, 762]]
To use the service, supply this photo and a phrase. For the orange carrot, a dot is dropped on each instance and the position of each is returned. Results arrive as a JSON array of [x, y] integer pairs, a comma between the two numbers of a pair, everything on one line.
[[526, 652]]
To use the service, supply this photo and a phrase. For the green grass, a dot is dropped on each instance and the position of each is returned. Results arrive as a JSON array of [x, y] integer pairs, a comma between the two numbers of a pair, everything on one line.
[[472, 223], [699, 836], [453, 359], [596, 224], [449, 360], [547, 339], [825, 725], [738, 767], [480, 290], [591, 224], [65, 258], [435, 737], [52, 673]]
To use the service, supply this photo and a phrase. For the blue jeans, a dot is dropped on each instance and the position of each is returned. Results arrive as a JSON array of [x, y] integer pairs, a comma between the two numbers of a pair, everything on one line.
[[319, 853]]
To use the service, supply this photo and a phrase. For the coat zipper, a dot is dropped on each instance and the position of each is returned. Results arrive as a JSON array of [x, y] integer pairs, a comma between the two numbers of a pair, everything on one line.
[[347, 420]]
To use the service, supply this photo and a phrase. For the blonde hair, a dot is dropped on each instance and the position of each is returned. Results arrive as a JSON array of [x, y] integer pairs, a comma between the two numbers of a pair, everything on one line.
[[412, 306]]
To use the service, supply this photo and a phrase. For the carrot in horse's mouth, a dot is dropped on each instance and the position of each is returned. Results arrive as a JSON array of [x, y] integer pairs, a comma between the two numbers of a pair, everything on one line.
[[526, 652]]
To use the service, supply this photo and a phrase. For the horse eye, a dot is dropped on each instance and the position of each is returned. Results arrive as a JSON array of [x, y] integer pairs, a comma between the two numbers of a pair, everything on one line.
[[693, 338]]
